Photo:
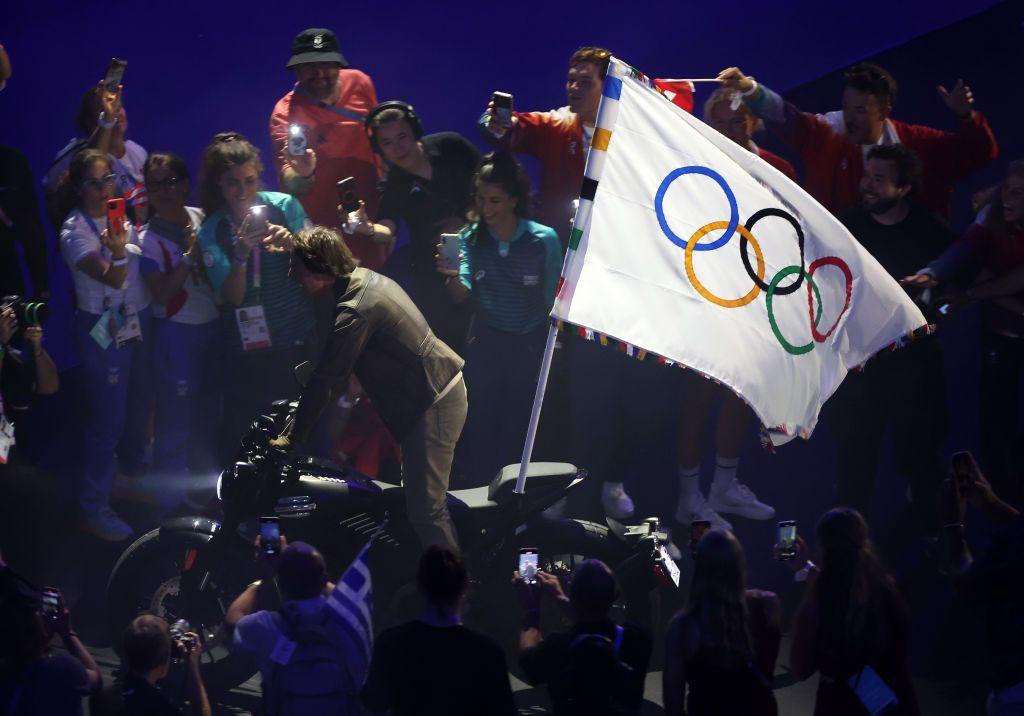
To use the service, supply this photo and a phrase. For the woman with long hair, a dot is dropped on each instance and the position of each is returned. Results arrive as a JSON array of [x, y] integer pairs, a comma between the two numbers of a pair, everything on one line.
[[185, 312], [992, 249], [267, 320], [510, 267], [853, 625], [722, 647], [111, 324]]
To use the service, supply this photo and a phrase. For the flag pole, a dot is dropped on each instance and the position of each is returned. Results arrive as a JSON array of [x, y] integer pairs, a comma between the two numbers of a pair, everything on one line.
[[538, 400]]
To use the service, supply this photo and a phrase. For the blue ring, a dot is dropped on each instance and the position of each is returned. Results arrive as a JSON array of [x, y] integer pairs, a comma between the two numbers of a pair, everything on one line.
[[734, 213]]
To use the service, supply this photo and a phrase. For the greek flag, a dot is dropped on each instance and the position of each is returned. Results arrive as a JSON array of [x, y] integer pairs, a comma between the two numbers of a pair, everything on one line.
[[352, 602], [688, 249]]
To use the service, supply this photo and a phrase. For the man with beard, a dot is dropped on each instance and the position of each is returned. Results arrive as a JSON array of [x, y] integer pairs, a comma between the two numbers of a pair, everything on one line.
[[834, 148], [328, 105], [904, 388]]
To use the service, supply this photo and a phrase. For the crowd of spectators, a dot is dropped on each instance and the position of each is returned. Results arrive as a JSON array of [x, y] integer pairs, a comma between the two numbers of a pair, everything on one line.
[[191, 319]]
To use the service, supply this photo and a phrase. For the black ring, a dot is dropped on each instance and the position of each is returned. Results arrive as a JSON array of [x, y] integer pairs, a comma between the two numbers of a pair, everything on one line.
[[799, 241]]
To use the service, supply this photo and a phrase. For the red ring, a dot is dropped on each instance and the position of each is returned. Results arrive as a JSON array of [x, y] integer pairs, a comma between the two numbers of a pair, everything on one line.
[[841, 265]]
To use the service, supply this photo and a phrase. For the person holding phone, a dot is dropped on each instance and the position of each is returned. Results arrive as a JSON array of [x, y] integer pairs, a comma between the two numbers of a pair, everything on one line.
[[510, 266], [854, 637], [102, 124], [429, 188], [246, 240], [185, 313], [329, 102], [720, 651], [112, 328]]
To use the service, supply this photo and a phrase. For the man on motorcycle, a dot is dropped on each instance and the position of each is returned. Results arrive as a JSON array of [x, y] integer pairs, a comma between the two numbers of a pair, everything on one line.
[[412, 377]]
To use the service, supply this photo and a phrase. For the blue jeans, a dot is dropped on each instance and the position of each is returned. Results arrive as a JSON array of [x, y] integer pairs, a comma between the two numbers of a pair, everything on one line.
[[181, 355], [107, 378]]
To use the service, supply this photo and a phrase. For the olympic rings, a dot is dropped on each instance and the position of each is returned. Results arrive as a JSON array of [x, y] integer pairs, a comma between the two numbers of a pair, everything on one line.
[[771, 289], [659, 207], [692, 245], [799, 242]]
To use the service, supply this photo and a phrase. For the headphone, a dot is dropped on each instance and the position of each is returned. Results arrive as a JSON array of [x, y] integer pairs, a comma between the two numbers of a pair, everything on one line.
[[405, 108]]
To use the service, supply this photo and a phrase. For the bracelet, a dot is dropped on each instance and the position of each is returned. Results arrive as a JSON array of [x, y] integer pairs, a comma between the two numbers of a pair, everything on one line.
[[104, 122], [752, 90], [123, 261]]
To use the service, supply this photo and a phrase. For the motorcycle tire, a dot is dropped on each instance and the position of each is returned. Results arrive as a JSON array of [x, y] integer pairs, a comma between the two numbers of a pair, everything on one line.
[[146, 579]]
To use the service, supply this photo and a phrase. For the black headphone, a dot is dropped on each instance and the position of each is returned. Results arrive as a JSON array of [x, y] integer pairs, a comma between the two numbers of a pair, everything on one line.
[[405, 108]]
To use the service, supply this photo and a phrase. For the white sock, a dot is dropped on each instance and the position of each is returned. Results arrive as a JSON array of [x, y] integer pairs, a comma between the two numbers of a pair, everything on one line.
[[725, 472], [689, 488]]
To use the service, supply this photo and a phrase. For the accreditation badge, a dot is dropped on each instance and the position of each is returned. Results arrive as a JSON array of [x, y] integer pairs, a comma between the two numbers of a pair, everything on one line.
[[252, 328]]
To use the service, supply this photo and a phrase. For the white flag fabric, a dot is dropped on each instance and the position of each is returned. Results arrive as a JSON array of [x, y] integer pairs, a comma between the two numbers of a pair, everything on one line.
[[689, 247]]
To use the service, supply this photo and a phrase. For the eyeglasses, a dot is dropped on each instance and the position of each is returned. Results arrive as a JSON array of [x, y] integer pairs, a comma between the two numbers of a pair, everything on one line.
[[98, 184], [167, 184]]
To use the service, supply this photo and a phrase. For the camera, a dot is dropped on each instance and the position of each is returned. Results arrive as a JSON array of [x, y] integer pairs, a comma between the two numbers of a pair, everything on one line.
[[28, 313], [181, 635]]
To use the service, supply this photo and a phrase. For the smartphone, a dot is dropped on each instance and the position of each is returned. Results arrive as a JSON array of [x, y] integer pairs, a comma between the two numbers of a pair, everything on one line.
[[347, 196], [528, 565], [786, 540], [115, 73], [450, 250], [53, 602], [258, 219], [115, 213], [270, 535], [697, 530], [296, 140], [961, 463], [502, 108]]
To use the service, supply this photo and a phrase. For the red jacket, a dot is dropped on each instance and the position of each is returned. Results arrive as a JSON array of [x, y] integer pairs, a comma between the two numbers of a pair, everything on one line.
[[833, 166], [555, 138]]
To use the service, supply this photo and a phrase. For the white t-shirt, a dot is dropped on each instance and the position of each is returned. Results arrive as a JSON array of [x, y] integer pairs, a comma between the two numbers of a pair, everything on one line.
[[127, 169], [194, 304], [78, 239]]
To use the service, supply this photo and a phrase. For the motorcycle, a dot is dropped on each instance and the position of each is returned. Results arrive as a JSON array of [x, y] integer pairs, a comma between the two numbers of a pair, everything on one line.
[[193, 567]]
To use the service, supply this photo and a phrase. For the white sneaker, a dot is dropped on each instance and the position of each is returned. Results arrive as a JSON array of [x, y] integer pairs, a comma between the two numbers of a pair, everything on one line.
[[106, 525], [738, 499], [617, 504], [699, 509]]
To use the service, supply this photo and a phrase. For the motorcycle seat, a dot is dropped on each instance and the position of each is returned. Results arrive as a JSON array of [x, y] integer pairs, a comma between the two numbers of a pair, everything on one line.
[[503, 485]]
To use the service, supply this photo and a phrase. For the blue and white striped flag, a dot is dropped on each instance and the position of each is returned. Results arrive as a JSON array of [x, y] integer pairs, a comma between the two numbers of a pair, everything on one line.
[[352, 602]]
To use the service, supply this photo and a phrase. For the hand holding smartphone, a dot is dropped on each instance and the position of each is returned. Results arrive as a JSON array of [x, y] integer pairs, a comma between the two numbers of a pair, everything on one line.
[[258, 225], [449, 251], [785, 546], [297, 142], [502, 103], [963, 467], [528, 565], [53, 603], [115, 73]]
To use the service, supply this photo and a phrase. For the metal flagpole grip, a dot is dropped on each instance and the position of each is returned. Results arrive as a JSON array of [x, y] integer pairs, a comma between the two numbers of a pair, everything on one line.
[[538, 400]]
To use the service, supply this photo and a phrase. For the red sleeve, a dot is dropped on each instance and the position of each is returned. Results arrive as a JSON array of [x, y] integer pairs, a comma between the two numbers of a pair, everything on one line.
[[964, 152], [803, 132], [279, 131], [528, 134]]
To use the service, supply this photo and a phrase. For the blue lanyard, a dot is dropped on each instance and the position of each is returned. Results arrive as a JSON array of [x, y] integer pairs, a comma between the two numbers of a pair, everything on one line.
[[343, 111]]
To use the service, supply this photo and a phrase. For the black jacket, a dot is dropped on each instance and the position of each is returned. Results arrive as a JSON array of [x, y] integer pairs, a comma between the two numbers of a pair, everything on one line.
[[381, 336]]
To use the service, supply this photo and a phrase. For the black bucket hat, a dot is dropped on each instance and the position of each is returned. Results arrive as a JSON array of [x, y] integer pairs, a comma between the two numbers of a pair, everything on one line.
[[316, 44]]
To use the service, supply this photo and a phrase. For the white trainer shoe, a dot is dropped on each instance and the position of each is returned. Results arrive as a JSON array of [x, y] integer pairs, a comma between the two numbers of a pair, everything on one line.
[[738, 499], [106, 525], [699, 509], [617, 504]]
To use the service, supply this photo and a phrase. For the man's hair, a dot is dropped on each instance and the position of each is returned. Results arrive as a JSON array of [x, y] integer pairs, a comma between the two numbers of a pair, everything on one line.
[[146, 644], [170, 160], [724, 94], [595, 55], [441, 576], [908, 165], [592, 589], [873, 80], [301, 572], [391, 114], [324, 251], [225, 151]]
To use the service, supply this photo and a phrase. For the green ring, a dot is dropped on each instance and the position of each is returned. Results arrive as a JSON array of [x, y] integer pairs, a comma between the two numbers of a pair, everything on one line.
[[787, 271]]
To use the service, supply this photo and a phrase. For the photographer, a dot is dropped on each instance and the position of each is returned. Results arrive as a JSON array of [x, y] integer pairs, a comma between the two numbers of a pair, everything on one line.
[[32, 679], [24, 371], [597, 667], [147, 647], [991, 584]]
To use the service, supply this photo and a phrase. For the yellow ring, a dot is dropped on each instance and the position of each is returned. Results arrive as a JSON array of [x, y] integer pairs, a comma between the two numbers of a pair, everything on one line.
[[691, 274]]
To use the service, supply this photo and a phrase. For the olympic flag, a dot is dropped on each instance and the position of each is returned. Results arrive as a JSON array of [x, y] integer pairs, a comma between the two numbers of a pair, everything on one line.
[[691, 248]]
